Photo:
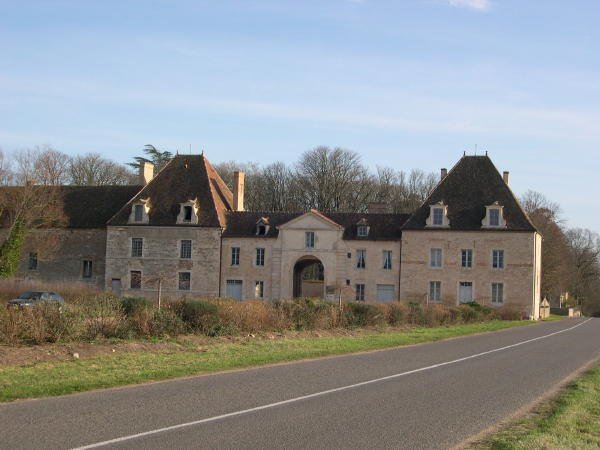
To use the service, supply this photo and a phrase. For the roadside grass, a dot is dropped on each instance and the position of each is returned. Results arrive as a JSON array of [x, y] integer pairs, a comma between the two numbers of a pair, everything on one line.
[[57, 378], [570, 421]]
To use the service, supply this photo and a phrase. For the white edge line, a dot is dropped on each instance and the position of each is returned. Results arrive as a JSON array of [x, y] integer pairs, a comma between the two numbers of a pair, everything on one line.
[[317, 394]]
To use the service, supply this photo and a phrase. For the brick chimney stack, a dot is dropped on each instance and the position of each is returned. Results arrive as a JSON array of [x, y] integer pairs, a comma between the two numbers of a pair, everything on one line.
[[146, 173], [443, 174], [505, 176], [238, 190]]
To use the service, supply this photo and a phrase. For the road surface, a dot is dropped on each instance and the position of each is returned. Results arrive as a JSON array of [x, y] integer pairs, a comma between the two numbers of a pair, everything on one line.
[[425, 396]]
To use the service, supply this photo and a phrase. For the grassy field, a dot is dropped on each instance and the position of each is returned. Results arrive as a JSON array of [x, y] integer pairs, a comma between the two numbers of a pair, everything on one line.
[[571, 421], [64, 377]]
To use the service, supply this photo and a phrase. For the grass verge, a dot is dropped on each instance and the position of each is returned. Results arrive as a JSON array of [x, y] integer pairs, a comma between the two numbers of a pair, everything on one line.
[[65, 377], [572, 420]]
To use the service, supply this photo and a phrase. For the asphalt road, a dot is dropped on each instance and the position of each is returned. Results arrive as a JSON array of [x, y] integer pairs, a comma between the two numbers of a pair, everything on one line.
[[424, 396]]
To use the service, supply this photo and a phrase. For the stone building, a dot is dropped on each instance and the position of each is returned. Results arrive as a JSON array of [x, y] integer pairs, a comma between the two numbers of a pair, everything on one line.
[[186, 232]]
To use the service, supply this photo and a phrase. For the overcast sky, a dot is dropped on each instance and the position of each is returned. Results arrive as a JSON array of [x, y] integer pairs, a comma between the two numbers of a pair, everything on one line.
[[405, 83]]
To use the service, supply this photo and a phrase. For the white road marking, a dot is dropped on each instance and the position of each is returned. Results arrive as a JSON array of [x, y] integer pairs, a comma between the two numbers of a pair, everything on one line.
[[317, 394]]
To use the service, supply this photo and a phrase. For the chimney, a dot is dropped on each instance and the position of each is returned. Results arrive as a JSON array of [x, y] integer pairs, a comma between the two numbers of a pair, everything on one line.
[[146, 173], [443, 174], [238, 190], [377, 207], [505, 176]]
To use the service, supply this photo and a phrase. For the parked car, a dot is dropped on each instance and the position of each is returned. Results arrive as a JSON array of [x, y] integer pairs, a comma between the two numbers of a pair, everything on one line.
[[32, 298]]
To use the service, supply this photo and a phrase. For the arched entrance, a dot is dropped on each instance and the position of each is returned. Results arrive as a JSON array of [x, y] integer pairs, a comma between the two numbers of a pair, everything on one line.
[[309, 278]]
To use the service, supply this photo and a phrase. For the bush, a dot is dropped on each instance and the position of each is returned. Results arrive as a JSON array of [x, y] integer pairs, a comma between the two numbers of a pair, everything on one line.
[[132, 305], [395, 313], [361, 314], [307, 313], [103, 317], [199, 316], [165, 322]]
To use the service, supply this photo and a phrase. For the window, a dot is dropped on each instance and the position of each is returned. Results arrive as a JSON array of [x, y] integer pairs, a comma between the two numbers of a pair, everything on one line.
[[33, 261], [360, 292], [435, 291], [259, 289], [435, 259], [494, 217], [498, 259], [138, 213], [137, 245], [466, 259], [87, 268], [260, 256], [185, 279], [310, 239], [387, 260], [361, 259], [187, 213], [135, 279], [438, 216], [497, 293], [235, 256], [185, 252], [261, 230], [362, 231]]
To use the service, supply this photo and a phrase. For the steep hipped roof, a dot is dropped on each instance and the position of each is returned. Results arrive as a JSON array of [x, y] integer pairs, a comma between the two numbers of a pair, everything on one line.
[[85, 206], [469, 187], [382, 226], [184, 178]]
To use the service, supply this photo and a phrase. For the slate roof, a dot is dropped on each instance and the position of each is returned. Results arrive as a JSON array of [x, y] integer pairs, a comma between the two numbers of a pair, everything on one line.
[[469, 187], [185, 177], [382, 226], [86, 206]]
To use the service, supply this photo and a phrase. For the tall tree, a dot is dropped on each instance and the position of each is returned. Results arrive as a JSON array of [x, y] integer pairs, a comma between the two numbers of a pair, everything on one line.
[[93, 169], [333, 180], [51, 166], [154, 155], [28, 205], [556, 273]]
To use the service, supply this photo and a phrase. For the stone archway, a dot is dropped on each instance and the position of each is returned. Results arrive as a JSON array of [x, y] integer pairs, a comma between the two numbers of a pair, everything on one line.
[[309, 278]]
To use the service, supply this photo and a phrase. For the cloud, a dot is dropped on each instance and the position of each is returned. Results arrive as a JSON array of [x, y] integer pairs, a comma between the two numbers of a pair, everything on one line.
[[478, 5]]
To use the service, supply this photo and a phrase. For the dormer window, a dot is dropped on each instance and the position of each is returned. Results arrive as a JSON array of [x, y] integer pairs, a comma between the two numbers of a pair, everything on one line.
[[262, 226], [362, 228], [188, 212], [438, 216], [494, 216], [139, 211]]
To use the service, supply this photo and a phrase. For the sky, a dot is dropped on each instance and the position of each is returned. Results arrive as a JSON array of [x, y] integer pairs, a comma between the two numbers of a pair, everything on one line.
[[405, 83]]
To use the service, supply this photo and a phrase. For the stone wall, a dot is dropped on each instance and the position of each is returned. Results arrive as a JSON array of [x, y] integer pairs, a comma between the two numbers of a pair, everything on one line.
[[520, 276], [60, 255], [161, 260]]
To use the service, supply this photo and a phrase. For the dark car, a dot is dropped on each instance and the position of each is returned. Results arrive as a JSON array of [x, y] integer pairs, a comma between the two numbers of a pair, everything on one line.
[[31, 298]]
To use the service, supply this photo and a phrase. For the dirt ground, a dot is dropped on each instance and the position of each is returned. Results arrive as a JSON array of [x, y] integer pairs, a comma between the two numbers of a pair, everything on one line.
[[23, 355]]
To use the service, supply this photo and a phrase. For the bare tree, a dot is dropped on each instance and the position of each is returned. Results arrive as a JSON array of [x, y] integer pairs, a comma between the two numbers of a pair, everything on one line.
[[333, 180], [51, 166], [26, 206], [94, 170], [585, 265]]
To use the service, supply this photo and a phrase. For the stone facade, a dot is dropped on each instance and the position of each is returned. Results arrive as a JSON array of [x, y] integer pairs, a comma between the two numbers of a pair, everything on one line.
[[161, 260], [60, 255], [337, 255], [519, 276]]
